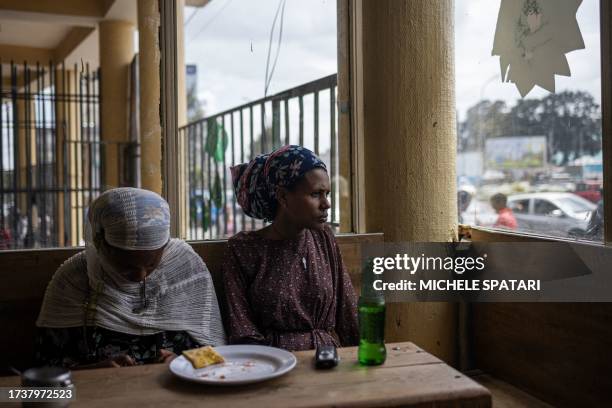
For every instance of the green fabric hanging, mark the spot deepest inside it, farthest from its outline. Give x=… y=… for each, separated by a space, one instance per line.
x=217 y=141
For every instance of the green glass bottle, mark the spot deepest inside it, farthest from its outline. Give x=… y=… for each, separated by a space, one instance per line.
x=372 y=349
x=371 y=310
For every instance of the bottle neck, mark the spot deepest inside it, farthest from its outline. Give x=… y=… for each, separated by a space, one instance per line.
x=372 y=299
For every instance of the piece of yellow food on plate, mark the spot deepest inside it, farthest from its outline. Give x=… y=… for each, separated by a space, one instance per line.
x=203 y=357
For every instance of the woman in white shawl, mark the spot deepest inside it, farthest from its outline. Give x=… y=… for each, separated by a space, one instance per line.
x=133 y=296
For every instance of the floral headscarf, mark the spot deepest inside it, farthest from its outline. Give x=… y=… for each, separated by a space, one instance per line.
x=255 y=182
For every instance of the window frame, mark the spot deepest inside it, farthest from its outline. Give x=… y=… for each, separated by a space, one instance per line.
x=606 y=113
x=169 y=113
x=349 y=149
x=490 y=234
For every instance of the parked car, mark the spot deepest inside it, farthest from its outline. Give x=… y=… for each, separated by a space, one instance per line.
x=591 y=190
x=559 y=214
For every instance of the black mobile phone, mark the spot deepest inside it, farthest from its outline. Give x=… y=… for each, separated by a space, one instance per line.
x=326 y=357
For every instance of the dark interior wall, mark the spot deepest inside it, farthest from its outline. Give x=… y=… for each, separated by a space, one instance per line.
x=559 y=352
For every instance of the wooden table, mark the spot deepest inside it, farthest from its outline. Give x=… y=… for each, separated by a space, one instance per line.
x=410 y=377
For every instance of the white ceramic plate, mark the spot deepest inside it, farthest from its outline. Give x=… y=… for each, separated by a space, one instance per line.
x=244 y=364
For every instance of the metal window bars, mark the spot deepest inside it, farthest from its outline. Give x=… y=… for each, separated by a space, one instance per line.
x=51 y=156
x=217 y=142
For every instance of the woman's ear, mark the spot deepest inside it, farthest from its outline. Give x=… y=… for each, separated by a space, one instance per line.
x=281 y=196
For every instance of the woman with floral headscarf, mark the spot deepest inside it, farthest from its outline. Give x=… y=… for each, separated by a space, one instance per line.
x=286 y=284
x=133 y=296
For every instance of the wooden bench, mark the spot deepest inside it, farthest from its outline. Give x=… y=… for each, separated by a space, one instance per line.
x=25 y=275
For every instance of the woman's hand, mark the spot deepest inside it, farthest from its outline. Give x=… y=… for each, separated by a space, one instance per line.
x=120 y=360
x=166 y=356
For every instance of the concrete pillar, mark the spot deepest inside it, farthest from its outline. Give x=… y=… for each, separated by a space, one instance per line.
x=63 y=82
x=69 y=165
x=74 y=163
x=24 y=161
x=26 y=147
x=116 y=54
x=150 y=125
x=409 y=136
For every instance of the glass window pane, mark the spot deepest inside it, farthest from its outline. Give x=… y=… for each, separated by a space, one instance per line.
x=519 y=206
x=250 y=60
x=543 y=207
x=544 y=146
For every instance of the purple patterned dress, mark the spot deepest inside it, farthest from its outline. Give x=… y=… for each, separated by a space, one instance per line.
x=294 y=294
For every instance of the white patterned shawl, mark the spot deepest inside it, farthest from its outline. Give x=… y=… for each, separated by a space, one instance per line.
x=178 y=295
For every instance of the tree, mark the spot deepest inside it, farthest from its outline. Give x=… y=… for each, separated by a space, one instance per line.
x=571 y=122
x=483 y=120
x=195 y=108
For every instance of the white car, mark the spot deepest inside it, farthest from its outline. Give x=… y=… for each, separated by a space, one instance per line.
x=559 y=214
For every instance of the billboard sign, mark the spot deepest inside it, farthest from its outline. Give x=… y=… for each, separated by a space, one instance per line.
x=515 y=152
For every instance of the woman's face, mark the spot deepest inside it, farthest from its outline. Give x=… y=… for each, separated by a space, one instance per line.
x=133 y=265
x=307 y=204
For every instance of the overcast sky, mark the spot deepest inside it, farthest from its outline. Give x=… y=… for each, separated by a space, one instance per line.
x=478 y=73
x=228 y=40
